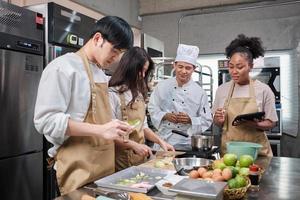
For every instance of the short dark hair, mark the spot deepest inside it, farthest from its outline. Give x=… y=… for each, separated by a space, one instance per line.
x=128 y=73
x=115 y=30
x=250 y=46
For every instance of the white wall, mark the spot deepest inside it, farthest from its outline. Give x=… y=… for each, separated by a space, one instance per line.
x=277 y=26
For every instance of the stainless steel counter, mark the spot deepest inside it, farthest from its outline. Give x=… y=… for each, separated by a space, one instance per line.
x=281 y=180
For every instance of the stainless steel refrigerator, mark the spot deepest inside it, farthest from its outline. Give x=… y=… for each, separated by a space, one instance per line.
x=21 y=65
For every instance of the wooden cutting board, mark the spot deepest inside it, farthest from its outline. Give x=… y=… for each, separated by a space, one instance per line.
x=163 y=156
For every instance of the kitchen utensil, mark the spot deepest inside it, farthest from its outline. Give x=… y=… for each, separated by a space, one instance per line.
x=150 y=175
x=200 y=188
x=202 y=141
x=171 y=179
x=110 y=194
x=180 y=133
x=184 y=165
x=243 y=148
x=152 y=155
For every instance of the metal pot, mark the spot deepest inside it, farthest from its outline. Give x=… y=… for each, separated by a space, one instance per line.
x=202 y=142
x=199 y=141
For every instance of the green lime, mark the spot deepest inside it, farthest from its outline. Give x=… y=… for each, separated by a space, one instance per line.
x=232 y=183
x=230 y=159
x=234 y=171
x=244 y=171
x=246 y=160
x=240 y=181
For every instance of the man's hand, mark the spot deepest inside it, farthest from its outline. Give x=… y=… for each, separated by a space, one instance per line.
x=183 y=118
x=171 y=117
x=115 y=129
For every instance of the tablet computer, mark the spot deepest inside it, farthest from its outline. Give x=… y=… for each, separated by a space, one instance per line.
x=249 y=116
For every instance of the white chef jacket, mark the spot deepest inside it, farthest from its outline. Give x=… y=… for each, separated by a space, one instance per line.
x=63 y=93
x=168 y=97
x=115 y=103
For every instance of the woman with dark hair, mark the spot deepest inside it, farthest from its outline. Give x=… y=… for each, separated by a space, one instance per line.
x=243 y=95
x=128 y=92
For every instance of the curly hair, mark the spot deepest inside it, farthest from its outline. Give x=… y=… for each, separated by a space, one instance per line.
x=249 y=46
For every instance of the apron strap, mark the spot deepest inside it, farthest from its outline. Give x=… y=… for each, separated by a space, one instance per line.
x=227 y=101
x=123 y=107
x=251 y=89
x=83 y=56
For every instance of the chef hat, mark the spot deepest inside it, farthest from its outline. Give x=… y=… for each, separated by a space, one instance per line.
x=187 y=53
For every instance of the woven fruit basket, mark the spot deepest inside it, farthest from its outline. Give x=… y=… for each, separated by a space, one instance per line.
x=236 y=193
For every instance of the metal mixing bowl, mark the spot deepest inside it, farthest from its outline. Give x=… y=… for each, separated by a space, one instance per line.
x=184 y=165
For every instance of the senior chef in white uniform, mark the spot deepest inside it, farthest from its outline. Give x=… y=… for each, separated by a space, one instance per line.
x=179 y=103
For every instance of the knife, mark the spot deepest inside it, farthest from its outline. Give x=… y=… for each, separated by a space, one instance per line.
x=180 y=133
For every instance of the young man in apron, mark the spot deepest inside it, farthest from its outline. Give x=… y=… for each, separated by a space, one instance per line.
x=73 y=110
x=243 y=95
x=128 y=93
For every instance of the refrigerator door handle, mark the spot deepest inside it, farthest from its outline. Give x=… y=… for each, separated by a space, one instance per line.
x=2 y=74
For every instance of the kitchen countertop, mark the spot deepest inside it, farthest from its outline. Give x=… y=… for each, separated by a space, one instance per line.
x=281 y=180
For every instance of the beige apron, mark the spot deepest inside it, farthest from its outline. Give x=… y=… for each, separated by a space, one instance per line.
x=126 y=157
x=243 y=105
x=81 y=160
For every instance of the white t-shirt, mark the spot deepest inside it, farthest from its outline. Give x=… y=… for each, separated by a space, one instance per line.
x=265 y=98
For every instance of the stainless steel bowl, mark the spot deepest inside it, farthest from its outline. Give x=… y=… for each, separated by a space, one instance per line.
x=184 y=165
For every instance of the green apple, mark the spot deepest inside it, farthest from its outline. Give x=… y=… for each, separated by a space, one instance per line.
x=230 y=159
x=246 y=160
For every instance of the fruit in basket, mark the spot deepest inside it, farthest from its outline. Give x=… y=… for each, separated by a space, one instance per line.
x=244 y=171
x=240 y=181
x=230 y=159
x=246 y=160
x=232 y=183
x=234 y=170
x=218 y=164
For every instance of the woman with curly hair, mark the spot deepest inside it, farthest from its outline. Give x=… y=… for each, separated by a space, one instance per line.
x=243 y=95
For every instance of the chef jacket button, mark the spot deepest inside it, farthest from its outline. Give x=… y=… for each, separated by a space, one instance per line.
x=175 y=87
x=178 y=126
x=184 y=90
x=182 y=102
x=173 y=99
x=169 y=124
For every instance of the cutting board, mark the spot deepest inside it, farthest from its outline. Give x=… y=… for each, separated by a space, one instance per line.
x=165 y=157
